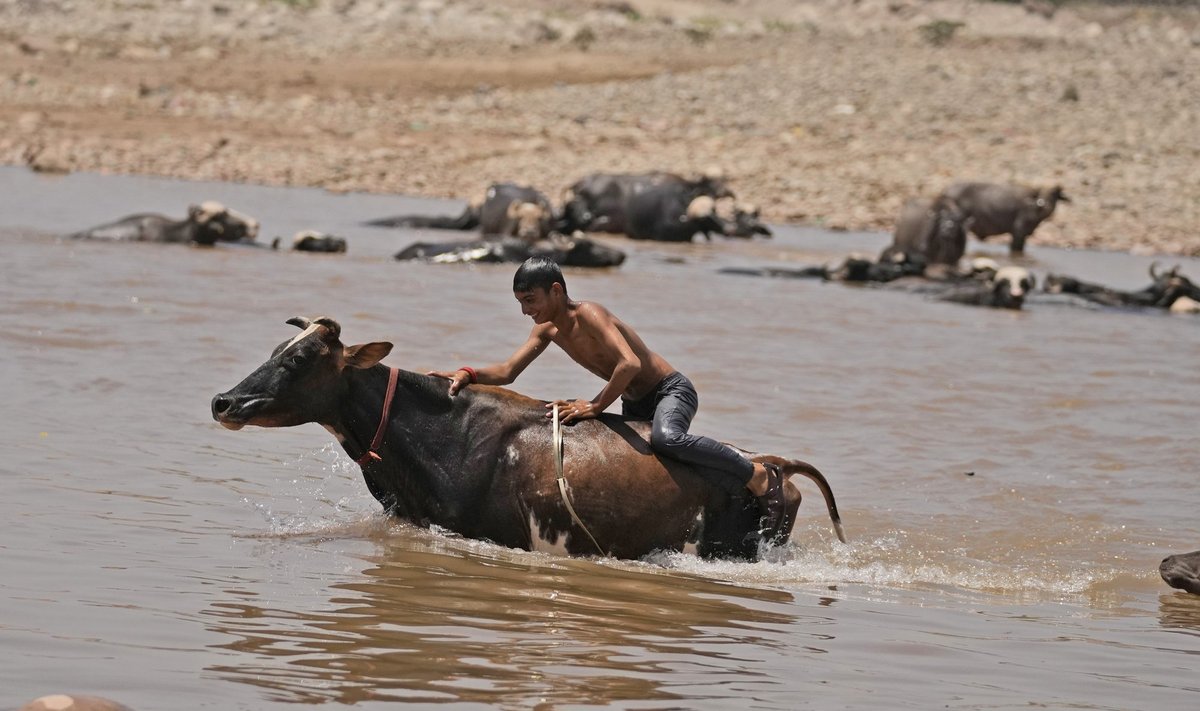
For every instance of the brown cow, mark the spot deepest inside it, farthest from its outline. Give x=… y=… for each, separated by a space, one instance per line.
x=482 y=464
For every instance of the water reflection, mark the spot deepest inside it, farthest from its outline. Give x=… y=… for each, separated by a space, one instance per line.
x=436 y=625
x=1179 y=611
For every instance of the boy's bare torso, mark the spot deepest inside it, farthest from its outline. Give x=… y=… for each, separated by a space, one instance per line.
x=583 y=339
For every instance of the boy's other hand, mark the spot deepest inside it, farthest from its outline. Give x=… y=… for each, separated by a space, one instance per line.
x=570 y=410
x=457 y=378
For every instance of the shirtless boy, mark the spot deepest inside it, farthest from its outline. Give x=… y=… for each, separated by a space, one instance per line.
x=649 y=388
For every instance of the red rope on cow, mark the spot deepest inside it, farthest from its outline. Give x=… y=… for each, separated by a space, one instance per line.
x=371 y=456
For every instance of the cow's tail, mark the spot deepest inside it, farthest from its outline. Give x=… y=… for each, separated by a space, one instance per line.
x=468 y=220
x=795 y=466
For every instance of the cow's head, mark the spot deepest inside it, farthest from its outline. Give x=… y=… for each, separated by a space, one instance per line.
x=301 y=380
x=746 y=222
x=217 y=223
x=529 y=221
x=311 y=241
x=1009 y=287
x=1169 y=286
x=1182 y=571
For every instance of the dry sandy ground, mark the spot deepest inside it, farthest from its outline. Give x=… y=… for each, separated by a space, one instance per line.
x=828 y=112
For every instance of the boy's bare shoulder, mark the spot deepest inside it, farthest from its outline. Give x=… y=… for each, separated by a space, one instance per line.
x=592 y=310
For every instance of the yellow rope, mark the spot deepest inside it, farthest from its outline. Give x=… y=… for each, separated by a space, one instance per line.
x=562 y=479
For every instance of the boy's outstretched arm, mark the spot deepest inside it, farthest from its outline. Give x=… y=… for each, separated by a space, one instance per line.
x=500 y=373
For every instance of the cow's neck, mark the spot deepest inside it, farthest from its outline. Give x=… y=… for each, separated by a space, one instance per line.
x=418 y=441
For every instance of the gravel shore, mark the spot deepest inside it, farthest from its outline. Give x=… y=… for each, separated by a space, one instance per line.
x=820 y=111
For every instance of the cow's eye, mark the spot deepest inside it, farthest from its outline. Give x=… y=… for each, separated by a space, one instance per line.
x=297 y=360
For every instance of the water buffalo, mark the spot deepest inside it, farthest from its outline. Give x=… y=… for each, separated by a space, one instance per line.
x=600 y=202
x=506 y=210
x=1165 y=291
x=667 y=213
x=994 y=209
x=853 y=269
x=1182 y=571
x=934 y=229
x=1006 y=288
x=312 y=241
x=745 y=222
x=574 y=251
x=206 y=224
x=482 y=463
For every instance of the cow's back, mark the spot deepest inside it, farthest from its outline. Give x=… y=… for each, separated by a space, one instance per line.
x=991 y=208
x=623 y=493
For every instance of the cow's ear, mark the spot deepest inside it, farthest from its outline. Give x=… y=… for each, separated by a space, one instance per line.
x=367 y=354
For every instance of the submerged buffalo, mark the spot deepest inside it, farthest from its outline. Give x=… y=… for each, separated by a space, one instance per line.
x=313 y=241
x=574 y=251
x=935 y=230
x=1168 y=290
x=600 y=202
x=994 y=209
x=982 y=284
x=506 y=210
x=746 y=222
x=482 y=463
x=666 y=214
x=206 y=224
x=1006 y=288
x=1182 y=571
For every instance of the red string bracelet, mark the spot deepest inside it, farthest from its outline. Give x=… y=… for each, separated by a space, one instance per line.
x=471 y=372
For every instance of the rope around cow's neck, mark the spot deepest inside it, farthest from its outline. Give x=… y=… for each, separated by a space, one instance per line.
x=371 y=455
x=562 y=479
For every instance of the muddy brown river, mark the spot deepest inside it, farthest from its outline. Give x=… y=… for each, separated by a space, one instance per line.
x=1008 y=481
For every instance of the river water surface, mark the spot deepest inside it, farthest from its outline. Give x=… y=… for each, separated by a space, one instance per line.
x=1008 y=481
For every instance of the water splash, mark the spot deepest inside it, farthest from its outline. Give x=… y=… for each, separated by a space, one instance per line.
x=314 y=497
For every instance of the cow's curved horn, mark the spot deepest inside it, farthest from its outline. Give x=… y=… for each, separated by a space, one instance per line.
x=299 y=322
x=1154 y=270
x=334 y=327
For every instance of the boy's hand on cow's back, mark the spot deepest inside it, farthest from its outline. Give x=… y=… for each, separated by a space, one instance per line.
x=570 y=410
x=457 y=378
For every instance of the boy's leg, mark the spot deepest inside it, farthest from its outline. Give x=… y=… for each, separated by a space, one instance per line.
x=673 y=415
x=669 y=436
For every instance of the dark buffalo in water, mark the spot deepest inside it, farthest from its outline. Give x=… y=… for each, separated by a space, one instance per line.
x=935 y=230
x=600 y=202
x=1182 y=571
x=574 y=251
x=312 y=241
x=994 y=209
x=852 y=269
x=482 y=463
x=746 y=222
x=1006 y=288
x=506 y=210
x=668 y=213
x=206 y=224
x=1168 y=290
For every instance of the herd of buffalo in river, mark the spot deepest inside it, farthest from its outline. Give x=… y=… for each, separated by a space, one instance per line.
x=514 y=222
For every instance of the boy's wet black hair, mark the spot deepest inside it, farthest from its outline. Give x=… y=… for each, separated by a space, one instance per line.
x=538 y=272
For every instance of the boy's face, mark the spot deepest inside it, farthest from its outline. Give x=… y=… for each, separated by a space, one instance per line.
x=539 y=304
